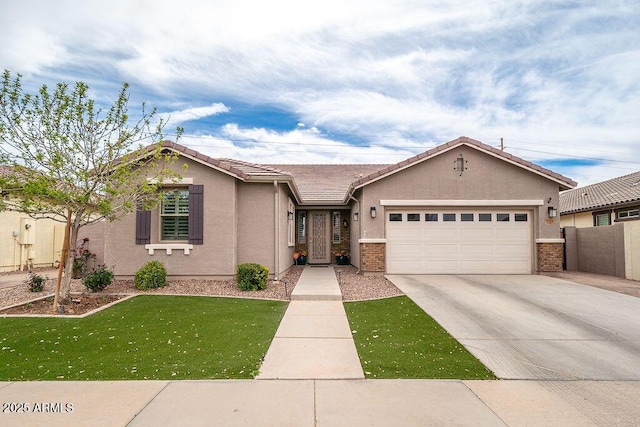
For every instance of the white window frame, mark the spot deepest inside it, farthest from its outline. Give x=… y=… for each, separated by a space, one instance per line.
x=291 y=224
x=628 y=214
x=164 y=215
x=302 y=227
x=335 y=232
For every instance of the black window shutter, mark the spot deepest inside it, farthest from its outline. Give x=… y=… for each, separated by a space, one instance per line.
x=143 y=227
x=196 y=214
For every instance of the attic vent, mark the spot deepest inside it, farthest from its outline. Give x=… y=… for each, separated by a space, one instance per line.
x=584 y=195
x=461 y=165
x=635 y=183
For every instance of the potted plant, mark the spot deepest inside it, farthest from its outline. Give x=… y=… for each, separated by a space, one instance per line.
x=300 y=258
x=342 y=257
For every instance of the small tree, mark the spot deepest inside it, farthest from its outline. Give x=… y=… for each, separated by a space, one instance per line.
x=67 y=159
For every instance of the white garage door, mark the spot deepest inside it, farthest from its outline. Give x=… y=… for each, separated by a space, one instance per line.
x=454 y=241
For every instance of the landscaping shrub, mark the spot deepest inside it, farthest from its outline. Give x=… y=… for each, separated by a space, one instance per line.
x=152 y=275
x=98 y=279
x=35 y=282
x=251 y=276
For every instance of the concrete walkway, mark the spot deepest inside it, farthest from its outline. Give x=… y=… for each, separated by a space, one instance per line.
x=313 y=340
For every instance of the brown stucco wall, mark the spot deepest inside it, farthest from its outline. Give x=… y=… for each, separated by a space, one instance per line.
x=486 y=178
x=599 y=250
x=216 y=257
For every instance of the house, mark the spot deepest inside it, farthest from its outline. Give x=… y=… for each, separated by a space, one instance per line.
x=601 y=227
x=27 y=242
x=461 y=207
x=604 y=203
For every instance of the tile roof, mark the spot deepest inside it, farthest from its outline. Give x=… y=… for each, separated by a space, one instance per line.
x=332 y=184
x=327 y=183
x=617 y=191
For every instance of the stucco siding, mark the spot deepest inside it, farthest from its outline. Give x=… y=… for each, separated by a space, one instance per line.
x=632 y=249
x=485 y=178
x=47 y=234
x=578 y=220
x=255 y=223
x=214 y=257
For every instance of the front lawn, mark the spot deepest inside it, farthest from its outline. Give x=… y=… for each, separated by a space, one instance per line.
x=146 y=337
x=396 y=339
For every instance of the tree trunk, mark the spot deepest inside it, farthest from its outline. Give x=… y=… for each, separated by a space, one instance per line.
x=65 y=290
x=63 y=261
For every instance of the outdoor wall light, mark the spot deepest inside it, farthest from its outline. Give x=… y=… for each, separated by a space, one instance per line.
x=355 y=216
x=345 y=223
x=553 y=212
x=373 y=211
x=290 y=215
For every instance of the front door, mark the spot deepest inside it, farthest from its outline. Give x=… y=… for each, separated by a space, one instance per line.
x=320 y=238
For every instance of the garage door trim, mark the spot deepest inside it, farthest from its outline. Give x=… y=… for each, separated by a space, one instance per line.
x=462 y=203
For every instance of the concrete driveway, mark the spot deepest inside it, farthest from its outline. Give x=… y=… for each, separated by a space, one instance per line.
x=535 y=327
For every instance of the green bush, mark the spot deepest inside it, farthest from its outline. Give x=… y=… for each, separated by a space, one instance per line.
x=251 y=276
x=152 y=275
x=35 y=282
x=98 y=279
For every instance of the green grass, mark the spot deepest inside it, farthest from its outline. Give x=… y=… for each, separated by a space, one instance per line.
x=146 y=337
x=396 y=339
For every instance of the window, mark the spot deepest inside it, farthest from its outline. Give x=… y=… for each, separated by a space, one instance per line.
x=521 y=217
x=181 y=217
x=431 y=217
x=302 y=227
x=413 y=217
x=502 y=217
x=484 y=217
x=466 y=217
x=336 y=228
x=602 y=219
x=449 y=217
x=629 y=213
x=174 y=214
x=291 y=224
x=395 y=217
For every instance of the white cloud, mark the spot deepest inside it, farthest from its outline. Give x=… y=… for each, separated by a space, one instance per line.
x=404 y=74
x=181 y=116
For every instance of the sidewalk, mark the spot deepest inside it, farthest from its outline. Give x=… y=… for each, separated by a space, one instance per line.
x=313 y=340
x=321 y=403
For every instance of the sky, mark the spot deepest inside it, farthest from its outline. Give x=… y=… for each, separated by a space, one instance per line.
x=372 y=81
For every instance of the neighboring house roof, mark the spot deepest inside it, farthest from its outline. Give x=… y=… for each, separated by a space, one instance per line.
x=333 y=184
x=565 y=183
x=619 y=191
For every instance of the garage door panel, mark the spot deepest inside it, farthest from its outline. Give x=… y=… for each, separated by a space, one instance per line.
x=461 y=247
x=475 y=266
x=411 y=233
x=405 y=248
x=507 y=249
x=512 y=233
x=441 y=266
x=439 y=249
x=441 y=233
x=477 y=249
x=476 y=234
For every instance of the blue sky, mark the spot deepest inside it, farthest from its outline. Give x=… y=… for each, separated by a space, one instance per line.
x=355 y=81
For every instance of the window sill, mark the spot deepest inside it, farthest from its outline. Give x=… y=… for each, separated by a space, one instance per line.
x=169 y=247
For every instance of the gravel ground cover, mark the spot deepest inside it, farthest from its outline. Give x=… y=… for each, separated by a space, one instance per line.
x=354 y=286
